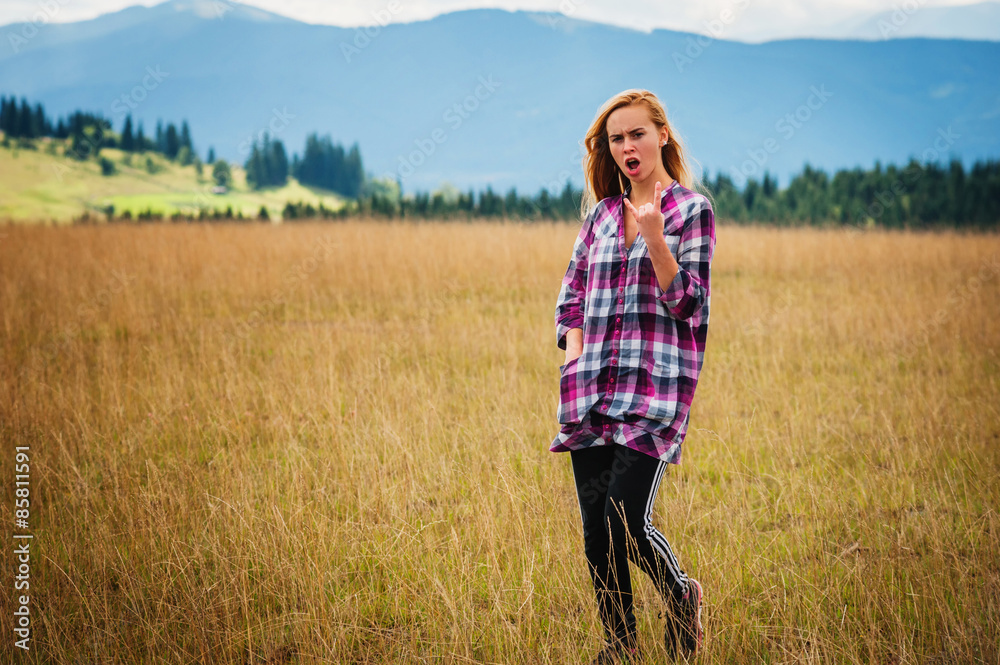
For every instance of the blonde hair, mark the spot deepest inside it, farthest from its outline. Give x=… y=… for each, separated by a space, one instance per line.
x=602 y=177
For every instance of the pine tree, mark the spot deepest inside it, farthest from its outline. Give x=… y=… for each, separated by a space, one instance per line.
x=8 y=116
x=140 y=139
x=186 y=136
x=325 y=165
x=279 y=164
x=253 y=168
x=128 y=140
x=25 y=120
x=38 y=122
x=267 y=165
x=171 y=142
x=354 y=172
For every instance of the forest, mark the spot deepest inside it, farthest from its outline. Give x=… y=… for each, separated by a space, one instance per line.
x=915 y=195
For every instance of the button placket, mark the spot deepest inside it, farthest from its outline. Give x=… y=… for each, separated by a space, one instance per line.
x=622 y=275
x=620 y=311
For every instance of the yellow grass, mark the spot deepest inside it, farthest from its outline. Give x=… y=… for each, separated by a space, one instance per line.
x=329 y=443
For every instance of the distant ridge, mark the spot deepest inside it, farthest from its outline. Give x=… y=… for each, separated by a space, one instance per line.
x=490 y=96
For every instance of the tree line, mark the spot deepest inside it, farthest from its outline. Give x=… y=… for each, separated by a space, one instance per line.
x=90 y=132
x=919 y=195
x=449 y=203
x=323 y=164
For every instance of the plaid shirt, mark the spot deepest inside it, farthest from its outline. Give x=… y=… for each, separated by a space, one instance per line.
x=643 y=347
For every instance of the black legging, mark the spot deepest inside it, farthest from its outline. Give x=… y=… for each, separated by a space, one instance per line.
x=616 y=487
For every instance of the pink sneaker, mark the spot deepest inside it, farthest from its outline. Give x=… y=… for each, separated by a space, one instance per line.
x=691 y=633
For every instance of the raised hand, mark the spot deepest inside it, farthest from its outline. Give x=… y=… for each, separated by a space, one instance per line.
x=648 y=217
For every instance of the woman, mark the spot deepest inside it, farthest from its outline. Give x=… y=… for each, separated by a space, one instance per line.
x=632 y=316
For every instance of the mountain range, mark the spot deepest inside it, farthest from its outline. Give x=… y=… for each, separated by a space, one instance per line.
x=493 y=97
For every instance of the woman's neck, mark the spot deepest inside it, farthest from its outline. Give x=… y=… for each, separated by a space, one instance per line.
x=643 y=192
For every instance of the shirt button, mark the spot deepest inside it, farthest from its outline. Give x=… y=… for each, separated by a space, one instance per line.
x=615 y=351
x=612 y=379
x=614 y=362
x=620 y=301
x=620 y=289
x=619 y=319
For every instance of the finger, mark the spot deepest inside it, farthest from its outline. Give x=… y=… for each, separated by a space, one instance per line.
x=657 y=190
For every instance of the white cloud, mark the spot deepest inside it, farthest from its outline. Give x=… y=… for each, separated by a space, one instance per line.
x=752 y=20
x=61 y=11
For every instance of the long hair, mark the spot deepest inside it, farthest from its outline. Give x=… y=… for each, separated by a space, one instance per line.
x=602 y=177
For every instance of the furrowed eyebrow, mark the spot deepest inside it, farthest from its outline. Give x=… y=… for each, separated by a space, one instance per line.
x=631 y=131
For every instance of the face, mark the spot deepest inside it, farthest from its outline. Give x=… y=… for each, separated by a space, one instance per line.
x=635 y=142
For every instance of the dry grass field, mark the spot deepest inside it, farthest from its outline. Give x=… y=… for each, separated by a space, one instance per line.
x=328 y=443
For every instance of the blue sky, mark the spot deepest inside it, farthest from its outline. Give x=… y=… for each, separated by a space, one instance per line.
x=748 y=20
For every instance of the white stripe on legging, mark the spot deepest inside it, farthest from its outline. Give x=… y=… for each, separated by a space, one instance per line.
x=656 y=539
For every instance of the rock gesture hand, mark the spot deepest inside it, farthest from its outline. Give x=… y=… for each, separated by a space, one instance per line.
x=648 y=218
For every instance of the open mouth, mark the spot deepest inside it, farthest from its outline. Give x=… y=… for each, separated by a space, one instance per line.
x=632 y=164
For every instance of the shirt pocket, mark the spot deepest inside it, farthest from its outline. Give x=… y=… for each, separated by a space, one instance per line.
x=665 y=369
x=570 y=392
x=664 y=378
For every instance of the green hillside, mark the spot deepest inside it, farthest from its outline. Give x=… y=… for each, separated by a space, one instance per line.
x=41 y=183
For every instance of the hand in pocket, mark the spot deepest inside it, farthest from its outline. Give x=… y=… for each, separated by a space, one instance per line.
x=570 y=391
x=569 y=359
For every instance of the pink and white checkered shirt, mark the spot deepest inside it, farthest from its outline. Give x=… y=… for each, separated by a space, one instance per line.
x=643 y=347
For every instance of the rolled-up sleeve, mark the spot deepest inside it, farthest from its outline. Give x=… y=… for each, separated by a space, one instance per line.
x=572 y=294
x=690 y=287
